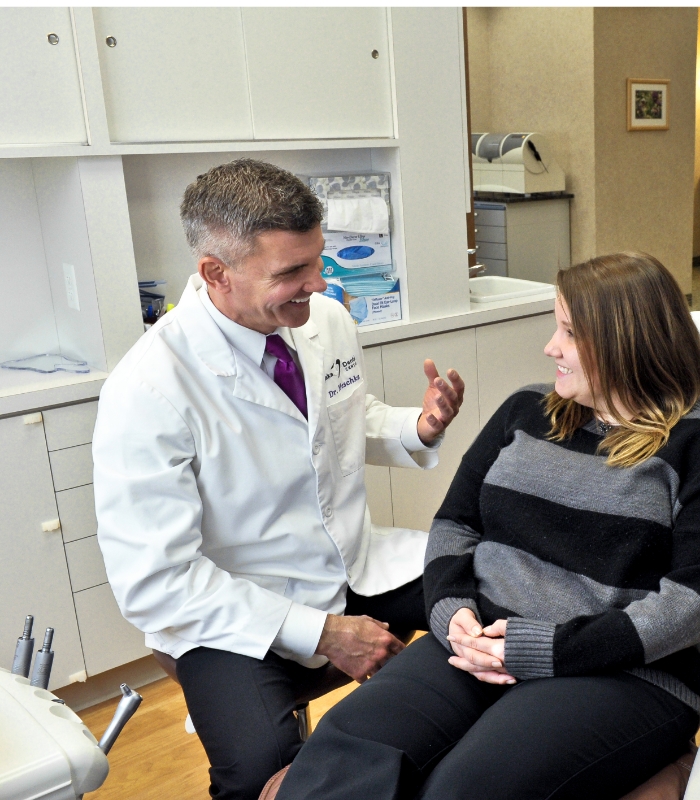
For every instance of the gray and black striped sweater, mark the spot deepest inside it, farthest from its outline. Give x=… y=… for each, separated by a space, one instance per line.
x=596 y=568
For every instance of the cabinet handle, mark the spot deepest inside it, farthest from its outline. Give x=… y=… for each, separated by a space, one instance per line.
x=111 y=41
x=375 y=53
x=53 y=39
x=32 y=419
x=51 y=525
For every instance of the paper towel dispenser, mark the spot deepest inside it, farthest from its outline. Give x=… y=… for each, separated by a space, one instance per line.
x=515 y=163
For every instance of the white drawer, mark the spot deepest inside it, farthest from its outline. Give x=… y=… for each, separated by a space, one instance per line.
x=70 y=425
x=85 y=564
x=71 y=467
x=108 y=639
x=76 y=510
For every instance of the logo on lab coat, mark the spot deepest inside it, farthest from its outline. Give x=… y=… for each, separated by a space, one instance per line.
x=339 y=372
x=347 y=366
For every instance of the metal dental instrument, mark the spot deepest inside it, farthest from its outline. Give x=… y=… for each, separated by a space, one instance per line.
x=24 y=650
x=130 y=701
x=43 y=662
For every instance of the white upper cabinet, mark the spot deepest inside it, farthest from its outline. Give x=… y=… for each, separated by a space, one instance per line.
x=40 y=94
x=173 y=74
x=319 y=73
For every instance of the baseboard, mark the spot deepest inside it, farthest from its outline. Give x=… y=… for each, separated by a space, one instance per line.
x=105 y=685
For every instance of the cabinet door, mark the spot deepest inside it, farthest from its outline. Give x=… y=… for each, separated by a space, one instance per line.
x=173 y=74
x=511 y=355
x=312 y=73
x=33 y=571
x=417 y=494
x=40 y=93
x=108 y=639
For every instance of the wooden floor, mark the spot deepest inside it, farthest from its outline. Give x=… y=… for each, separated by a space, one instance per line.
x=154 y=757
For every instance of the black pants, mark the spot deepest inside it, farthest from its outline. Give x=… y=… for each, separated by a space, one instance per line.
x=242 y=708
x=422 y=728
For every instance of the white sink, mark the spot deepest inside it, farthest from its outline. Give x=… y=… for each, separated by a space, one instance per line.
x=490 y=288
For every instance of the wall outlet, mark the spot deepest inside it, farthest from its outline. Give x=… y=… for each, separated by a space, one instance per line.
x=71 y=286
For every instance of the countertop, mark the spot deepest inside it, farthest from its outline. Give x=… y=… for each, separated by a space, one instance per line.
x=507 y=197
x=32 y=392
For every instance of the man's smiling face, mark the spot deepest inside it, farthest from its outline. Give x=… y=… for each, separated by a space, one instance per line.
x=272 y=286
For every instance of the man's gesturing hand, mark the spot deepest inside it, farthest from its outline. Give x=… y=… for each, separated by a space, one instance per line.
x=358 y=646
x=441 y=402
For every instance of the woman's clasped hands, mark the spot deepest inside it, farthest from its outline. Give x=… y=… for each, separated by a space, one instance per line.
x=480 y=651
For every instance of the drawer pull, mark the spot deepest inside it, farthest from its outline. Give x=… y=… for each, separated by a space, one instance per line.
x=32 y=419
x=51 y=525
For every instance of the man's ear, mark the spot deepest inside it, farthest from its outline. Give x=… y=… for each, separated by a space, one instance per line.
x=215 y=274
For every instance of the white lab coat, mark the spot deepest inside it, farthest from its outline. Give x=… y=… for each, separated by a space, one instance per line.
x=220 y=510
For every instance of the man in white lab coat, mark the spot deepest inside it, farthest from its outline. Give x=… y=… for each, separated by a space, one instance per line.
x=229 y=459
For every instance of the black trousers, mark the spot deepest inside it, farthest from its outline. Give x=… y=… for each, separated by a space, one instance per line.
x=422 y=728
x=242 y=708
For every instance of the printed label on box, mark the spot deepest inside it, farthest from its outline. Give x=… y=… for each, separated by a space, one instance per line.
x=375 y=309
x=353 y=251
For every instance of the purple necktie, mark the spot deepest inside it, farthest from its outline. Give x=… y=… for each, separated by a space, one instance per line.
x=287 y=374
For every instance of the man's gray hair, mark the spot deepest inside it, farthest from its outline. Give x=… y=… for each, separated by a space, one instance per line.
x=225 y=209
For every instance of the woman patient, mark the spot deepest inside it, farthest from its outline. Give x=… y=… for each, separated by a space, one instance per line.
x=562 y=579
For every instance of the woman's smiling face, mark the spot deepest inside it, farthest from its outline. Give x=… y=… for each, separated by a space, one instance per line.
x=571 y=382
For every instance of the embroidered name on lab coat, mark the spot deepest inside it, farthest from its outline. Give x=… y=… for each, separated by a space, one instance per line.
x=340 y=371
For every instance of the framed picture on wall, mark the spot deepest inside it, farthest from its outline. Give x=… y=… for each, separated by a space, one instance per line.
x=647 y=105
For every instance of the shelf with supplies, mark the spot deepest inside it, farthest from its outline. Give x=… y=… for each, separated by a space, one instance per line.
x=154 y=184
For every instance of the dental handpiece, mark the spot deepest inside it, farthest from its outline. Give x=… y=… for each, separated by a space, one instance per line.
x=24 y=650
x=130 y=701
x=43 y=662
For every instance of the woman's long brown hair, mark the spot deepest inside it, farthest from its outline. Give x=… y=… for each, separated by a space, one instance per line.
x=637 y=342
